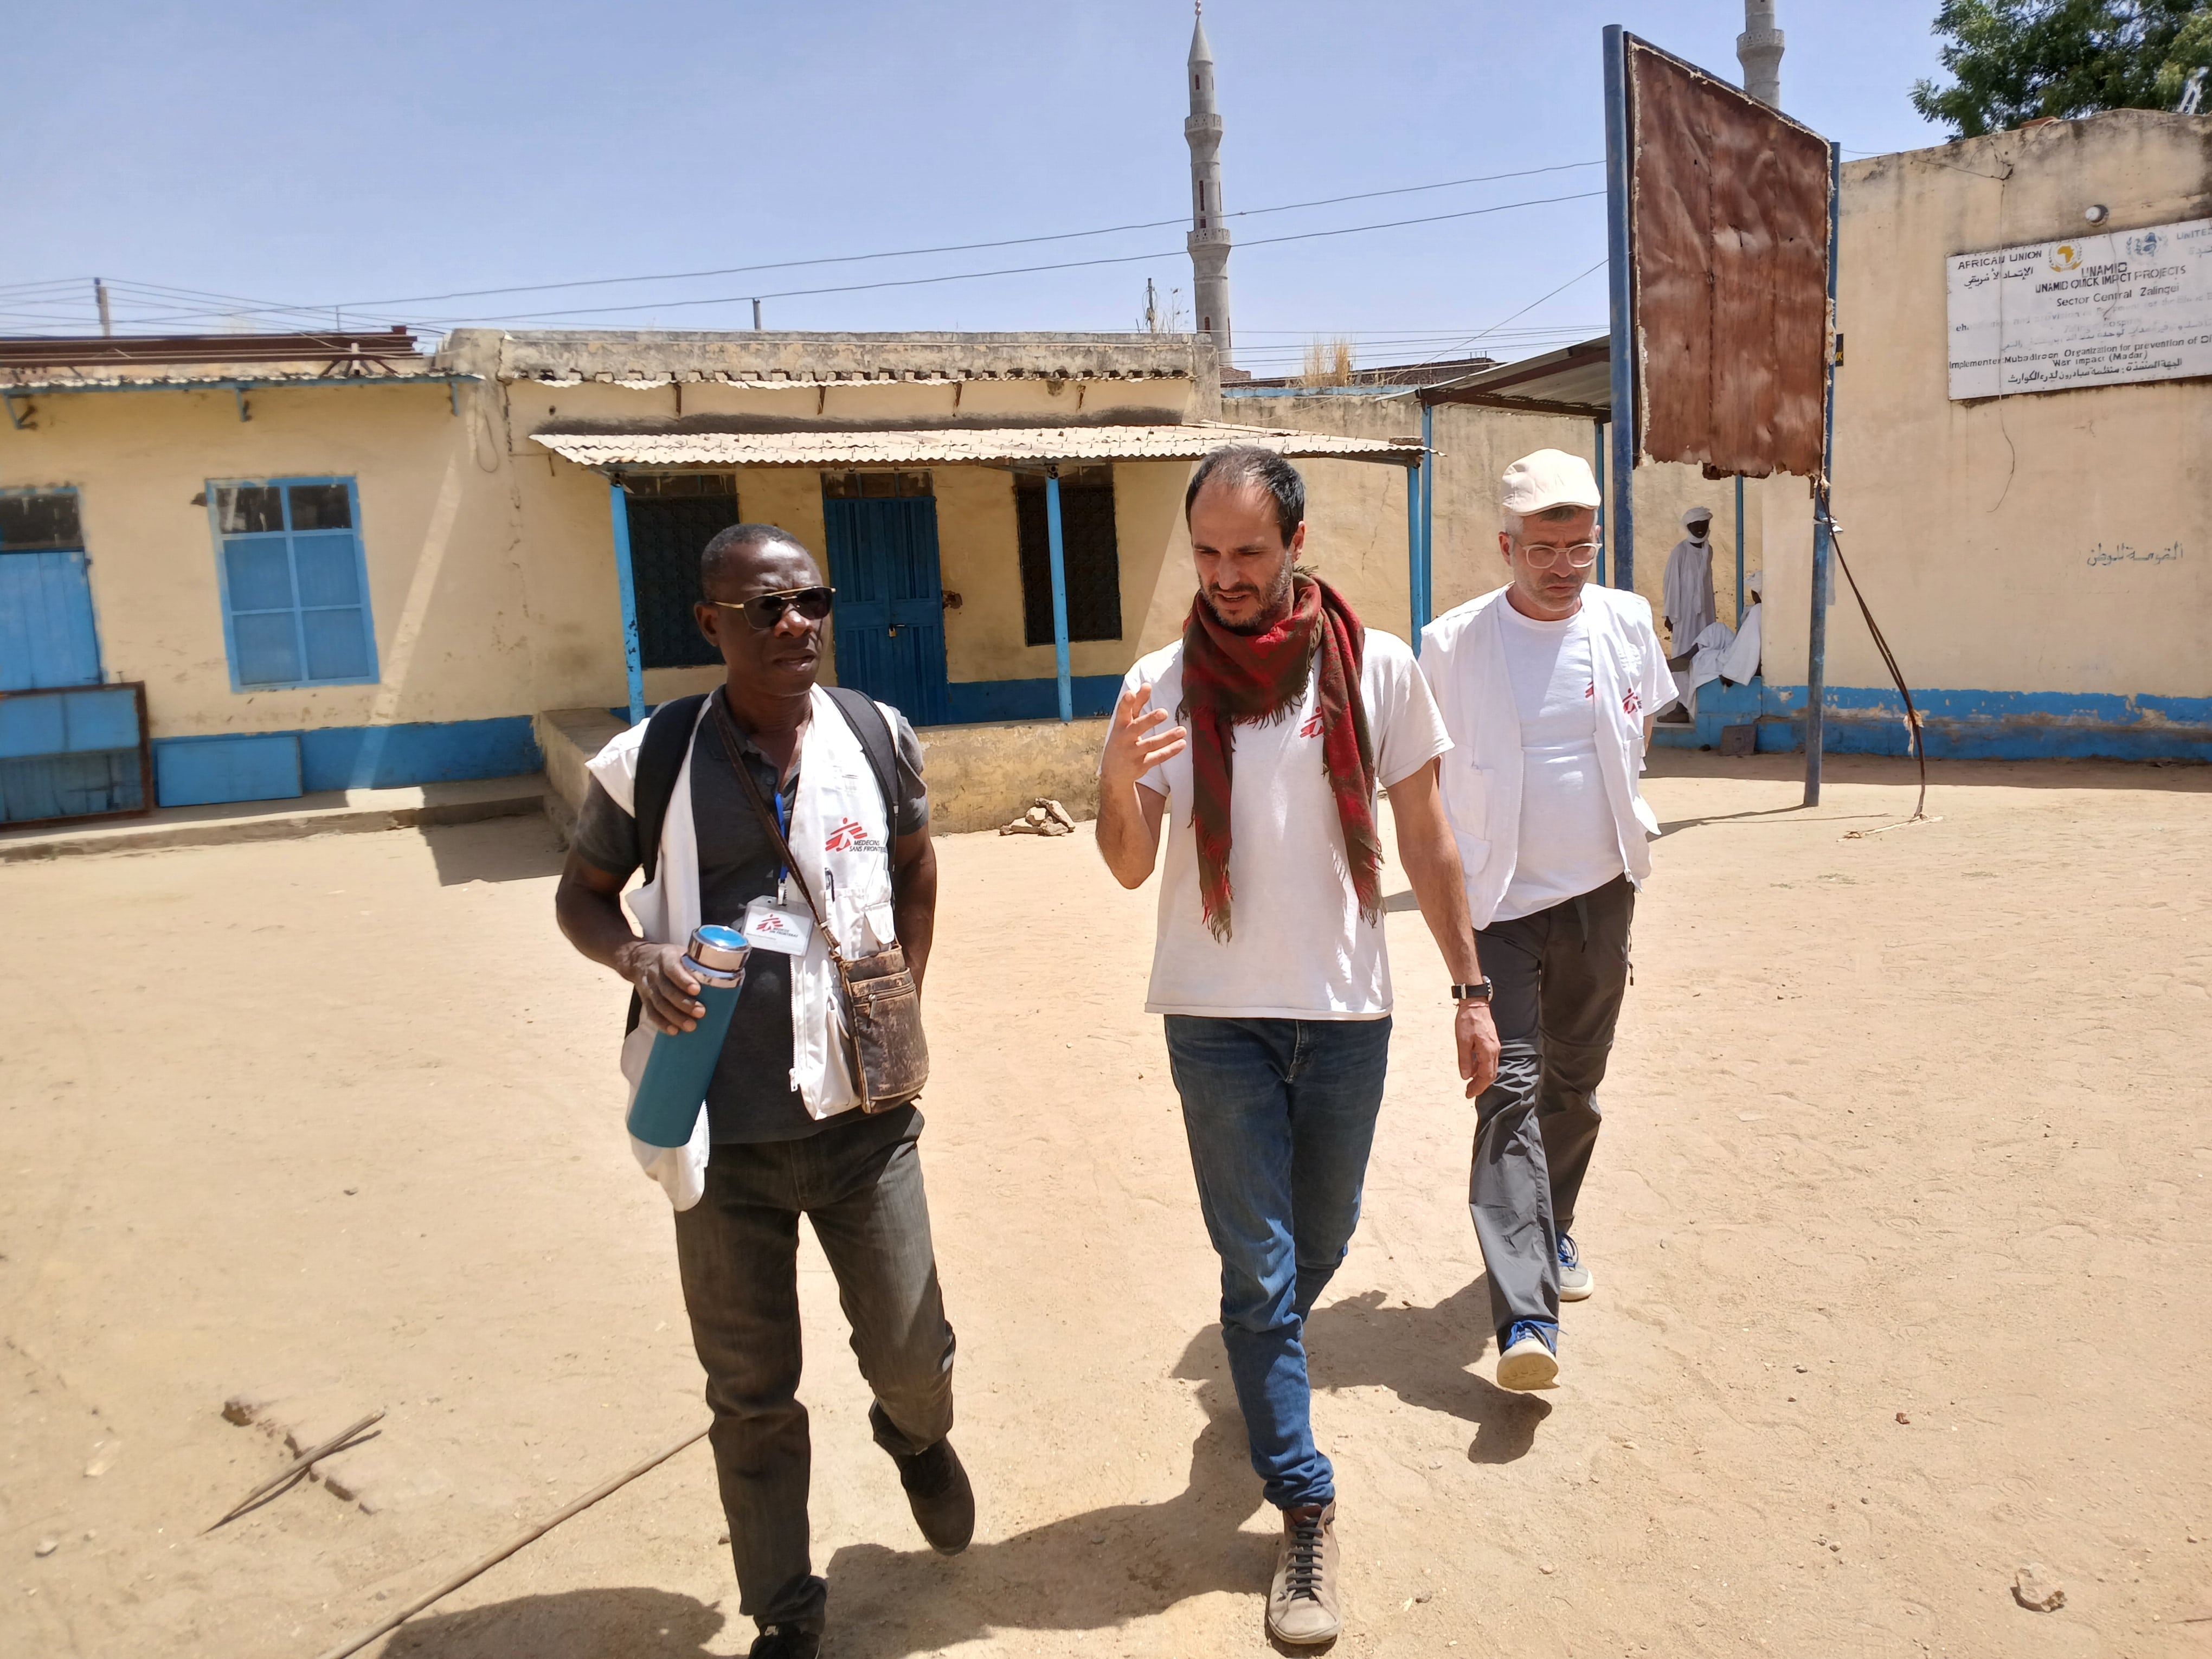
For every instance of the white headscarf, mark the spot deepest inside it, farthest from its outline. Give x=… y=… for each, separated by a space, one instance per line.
x=1696 y=515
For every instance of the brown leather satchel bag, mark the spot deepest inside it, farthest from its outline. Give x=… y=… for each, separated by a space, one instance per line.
x=882 y=1004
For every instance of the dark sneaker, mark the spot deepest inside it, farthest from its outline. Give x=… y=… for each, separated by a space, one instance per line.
x=787 y=1642
x=1528 y=1355
x=1575 y=1280
x=943 y=1502
x=1302 y=1610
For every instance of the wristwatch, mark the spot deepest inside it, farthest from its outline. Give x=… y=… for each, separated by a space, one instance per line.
x=1478 y=992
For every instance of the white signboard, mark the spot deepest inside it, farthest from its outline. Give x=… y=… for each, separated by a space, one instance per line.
x=2132 y=305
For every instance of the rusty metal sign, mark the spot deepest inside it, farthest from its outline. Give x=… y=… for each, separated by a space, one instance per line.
x=1728 y=245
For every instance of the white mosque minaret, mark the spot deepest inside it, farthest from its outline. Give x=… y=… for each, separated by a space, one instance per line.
x=1209 y=232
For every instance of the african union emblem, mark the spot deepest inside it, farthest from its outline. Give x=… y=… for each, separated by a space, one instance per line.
x=2066 y=256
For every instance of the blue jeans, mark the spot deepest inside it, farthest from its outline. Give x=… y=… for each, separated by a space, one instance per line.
x=1281 y=1113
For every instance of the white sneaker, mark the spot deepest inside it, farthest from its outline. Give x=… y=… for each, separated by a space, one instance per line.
x=1526 y=1360
x=1575 y=1281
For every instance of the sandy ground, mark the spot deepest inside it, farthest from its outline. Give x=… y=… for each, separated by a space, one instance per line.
x=1909 y=1127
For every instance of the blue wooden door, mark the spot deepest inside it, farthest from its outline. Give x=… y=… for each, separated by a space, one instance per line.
x=46 y=632
x=891 y=604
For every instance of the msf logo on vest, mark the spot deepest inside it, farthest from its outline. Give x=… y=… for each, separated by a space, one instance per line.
x=849 y=837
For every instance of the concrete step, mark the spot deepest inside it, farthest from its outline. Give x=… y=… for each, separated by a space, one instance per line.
x=337 y=811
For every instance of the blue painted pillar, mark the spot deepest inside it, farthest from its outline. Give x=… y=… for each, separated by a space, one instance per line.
x=618 y=510
x=1739 y=549
x=1057 y=552
x=1600 y=428
x=1414 y=550
x=1620 y=530
x=1424 y=587
x=1816 y=638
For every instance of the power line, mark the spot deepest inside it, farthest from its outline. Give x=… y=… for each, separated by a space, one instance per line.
x=961 y=247
x=1525 y=310
x=1024 y=270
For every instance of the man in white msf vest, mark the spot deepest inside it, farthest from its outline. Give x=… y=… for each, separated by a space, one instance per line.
x=1547 y=687
x=781 y=1133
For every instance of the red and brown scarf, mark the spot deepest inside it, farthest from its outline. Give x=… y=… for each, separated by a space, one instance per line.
x=1234 y=679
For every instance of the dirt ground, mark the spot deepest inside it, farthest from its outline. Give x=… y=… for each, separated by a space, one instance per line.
x=1899 y=1226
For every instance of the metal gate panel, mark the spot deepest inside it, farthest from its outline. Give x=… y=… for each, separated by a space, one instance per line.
x=47 y=633
x=890 y=603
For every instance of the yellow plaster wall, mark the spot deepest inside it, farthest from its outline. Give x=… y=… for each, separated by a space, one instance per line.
x=453 y=635
x=1974 y=528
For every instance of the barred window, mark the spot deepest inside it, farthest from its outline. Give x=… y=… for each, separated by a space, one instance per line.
x=1093 y=562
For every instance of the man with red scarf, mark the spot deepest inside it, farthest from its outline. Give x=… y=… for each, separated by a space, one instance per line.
x=1267 y=730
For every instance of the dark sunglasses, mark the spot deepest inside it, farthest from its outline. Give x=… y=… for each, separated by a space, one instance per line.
x=765 y=610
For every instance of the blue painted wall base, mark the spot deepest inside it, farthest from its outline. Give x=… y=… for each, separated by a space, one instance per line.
x=1957 y=724
x=973 y=702
x=259 y=766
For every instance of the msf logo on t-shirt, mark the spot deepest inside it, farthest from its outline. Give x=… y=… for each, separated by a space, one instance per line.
x=850 y=837
x=1312 y=728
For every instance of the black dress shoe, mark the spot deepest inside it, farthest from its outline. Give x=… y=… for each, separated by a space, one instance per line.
x=787 y=1642
x=943 y=1503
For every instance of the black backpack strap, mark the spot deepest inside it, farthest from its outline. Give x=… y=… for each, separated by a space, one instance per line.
x=659 y=758
x=866 y=719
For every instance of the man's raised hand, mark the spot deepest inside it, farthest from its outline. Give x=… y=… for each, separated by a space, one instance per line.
x=1137 y=740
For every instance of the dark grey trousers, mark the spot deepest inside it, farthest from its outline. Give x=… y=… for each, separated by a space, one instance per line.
x=859 y=1182
x=1557 y=981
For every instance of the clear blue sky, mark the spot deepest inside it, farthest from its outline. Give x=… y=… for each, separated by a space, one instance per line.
x=363 y=155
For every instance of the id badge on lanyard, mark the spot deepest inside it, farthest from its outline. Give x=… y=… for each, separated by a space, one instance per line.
x=776 y=923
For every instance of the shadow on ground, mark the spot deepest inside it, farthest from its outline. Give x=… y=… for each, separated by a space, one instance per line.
x=1421 y=1355
x=586 y=1624
x=519 y=849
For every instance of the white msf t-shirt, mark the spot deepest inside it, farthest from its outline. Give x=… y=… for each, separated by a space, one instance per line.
x=1298 y=949
x=1569 y=842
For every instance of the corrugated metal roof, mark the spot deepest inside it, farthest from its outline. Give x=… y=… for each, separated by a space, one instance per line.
x=24 y=382
x=956 y=447
x=1576 y=379
x=655 y=357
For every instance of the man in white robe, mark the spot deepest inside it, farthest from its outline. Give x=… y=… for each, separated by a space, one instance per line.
x=1687 y=601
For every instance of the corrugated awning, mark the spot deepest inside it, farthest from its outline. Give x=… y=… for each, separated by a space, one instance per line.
x=1576 y=379
x=986 y=447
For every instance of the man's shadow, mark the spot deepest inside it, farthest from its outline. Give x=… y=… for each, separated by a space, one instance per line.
x=626 y=1623
x=1096 y=1571
x=1421 y=1355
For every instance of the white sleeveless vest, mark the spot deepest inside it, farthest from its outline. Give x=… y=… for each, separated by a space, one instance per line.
x=840 y=838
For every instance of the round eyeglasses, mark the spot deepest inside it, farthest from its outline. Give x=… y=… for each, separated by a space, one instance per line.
x=1546 y=556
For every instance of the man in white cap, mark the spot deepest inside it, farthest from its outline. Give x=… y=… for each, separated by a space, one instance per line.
x=1547 y=687
x=1687 y=601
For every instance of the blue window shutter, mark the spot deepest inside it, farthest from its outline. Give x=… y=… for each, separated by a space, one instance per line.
x=295 y=582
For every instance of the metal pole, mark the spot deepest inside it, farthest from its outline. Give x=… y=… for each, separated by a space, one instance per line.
x=100 y=297
x=1424 y=591
x=618 y=510
x=1816 y=637
x=1057 y=552
x=756 y=316
x=1621 y=533
x=1739 y=549
x=1599 y=428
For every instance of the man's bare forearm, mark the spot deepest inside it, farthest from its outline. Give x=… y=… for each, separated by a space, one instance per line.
x=1441 y=892
x=594 y=923
x=1127 y=841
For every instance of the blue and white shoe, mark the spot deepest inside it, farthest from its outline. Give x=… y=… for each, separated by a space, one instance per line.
x=1529 y=1356
x=1575 y=1281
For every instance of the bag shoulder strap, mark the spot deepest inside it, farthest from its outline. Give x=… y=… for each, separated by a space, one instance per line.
x=874 y=732
x=659 y=758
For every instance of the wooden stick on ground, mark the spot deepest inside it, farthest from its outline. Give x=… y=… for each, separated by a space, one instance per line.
x=301 y=1465
x=355 y=1644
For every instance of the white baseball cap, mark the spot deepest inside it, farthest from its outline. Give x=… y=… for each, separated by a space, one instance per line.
x=1550 y=478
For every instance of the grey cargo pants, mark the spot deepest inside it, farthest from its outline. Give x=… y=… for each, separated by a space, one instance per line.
x=1557 y=981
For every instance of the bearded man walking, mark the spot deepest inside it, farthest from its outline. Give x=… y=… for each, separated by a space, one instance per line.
x=1265 y=731
x=1545 y=685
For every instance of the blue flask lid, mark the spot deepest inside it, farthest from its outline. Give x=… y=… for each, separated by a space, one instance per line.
x=716 y=946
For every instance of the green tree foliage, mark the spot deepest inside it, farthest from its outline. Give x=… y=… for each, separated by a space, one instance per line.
x=2013 y=60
